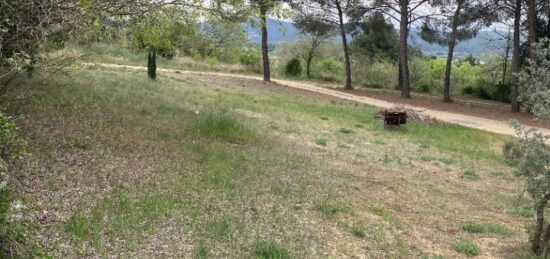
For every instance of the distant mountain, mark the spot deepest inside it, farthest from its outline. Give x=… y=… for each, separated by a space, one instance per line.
x=277 y=31
x=487 y=41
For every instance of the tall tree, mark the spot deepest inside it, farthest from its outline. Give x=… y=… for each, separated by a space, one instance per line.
x=315 y=32
x=512 y=9
x=333 y=12
x=405 y=12
x=532 y=25
x=377 y=39
x=261 y=9
x=459 y=20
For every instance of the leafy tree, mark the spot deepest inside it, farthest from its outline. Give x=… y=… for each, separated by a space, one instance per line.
x=263 y=8
x=460 y=20
x=315 y=33
x=378 y=38
x=156 y=34
x=293 y=67
x=405 y=12
x=333 y=12
x=535 y=82
x=531 y=157
x=221 y=38
x=26 y=28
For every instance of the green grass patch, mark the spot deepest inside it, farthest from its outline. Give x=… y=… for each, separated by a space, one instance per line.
x=201 y=251
x=470 y=175
x=321 y=142
x=123 y=213
x=523 y=210
x=345 y=131
x=487 y=228
x=467 y=248
x=358 y=230
x=329 y=208
x=222 y=125
x=218 y=229
x=270 y=250
x=78 y=143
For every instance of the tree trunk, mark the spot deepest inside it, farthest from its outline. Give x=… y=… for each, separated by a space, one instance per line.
x=506 y=56
x=265 y=50
x=344 y=45
x=400 y=76
x=544 y=242
x=152 y=64
x=532 y=25
x=452 y=43
x=515 y=57
x=403 y=50
x=308 y=64
x=537 y=233
x=539 y=242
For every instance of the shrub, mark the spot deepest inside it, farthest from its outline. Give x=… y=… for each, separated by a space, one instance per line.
x=249 y=58
x=467 y=247
x=13 y=224
x=484 y=93
x=468 y=90
x=533 y=167
x=293 y=67
x=330 y=70
x=512 y=152
x=502 y=93
x=423 y=88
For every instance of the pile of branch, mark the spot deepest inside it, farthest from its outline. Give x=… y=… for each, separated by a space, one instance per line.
x=412 y=114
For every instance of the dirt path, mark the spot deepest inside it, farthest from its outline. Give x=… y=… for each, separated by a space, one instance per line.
x=491 y=125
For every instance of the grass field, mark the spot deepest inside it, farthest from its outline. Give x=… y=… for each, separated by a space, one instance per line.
x=194 y=166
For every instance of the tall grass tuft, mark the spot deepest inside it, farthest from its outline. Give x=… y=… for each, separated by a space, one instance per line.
x=270 y=250
x=222 y=125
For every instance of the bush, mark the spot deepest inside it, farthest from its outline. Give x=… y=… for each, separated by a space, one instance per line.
x=423 y=88
x=13 y=223
x=502 y=93
x=249 y=58
x=293 y=67
x=512 y=152
x=484 y=94
x=531 y=156
x=467 y=247
x=468 y=90
x=374 y=73
x=330 y=70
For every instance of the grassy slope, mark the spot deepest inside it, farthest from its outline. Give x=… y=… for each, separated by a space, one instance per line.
x=204 y=167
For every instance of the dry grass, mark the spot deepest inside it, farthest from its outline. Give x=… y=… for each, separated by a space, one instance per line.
x=127 y=169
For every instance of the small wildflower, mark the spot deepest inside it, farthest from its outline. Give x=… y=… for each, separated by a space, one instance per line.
x=197 y=112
